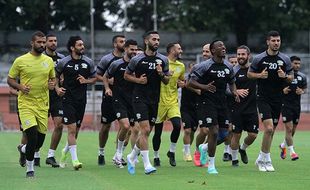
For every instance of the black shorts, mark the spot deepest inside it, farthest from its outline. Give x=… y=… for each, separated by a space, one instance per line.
x=108 y=114
x=245 y=122
x=290 y=114
x=123 y=109
x=145 y=111
x=189 y=118
x=56 y=108
x=73 y=112
x=209 y=114
x=269 y=110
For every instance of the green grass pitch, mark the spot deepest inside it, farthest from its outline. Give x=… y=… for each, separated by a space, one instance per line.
x=289 y=174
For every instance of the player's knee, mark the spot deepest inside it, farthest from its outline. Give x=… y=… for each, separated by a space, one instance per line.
x=269 y=130
x=252 y=136
x=187 y=132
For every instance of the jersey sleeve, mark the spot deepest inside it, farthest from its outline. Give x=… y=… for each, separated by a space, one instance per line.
x=254 y=65
x=132 y=65
x=52 y=69
x=14 y=70
x=60 y=66
x=165 y=66
x=112 y=69
x=197 y=71
x=102 y=66
x=92 y=69
x=304 y=82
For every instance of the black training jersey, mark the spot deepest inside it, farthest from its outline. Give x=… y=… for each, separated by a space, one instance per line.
x=104 y=64
x=272 y=86
x=53 y=95
x=121 y=87
x=144 y=64
x=292 y=99
x=220 y=73
x=188 y=98
x=248 y=103
x=71 y=69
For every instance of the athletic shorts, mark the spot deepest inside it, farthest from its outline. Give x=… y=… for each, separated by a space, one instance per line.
x=73 y=112
x=290 y=114
x=189 y=118
x=30 y=117
x=269 y=110
x=108 y=114
x=208 y=114
x=145 y=111
x=245 y=122
x=166 y=112
x=56 y=108
x=123 y=109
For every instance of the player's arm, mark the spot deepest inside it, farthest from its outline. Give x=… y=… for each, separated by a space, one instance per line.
x=233 y=90
x=90 y=80
x=254 y=75
x=13 y=91
x=106 y=85
x=14 y=84
x=132 y=78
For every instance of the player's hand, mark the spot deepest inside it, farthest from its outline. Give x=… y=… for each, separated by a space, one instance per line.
x=25 y=89
x=111 y=81
x=60 y=91
x=142 y=79
x=281 y=73
x=170 y=73
x=286 y=90
x=299 y=91
x=181 y=83
x=210 y=87
x=243 y=92
x=81 y=79
x=108 y=92
x=198 y=91
x=51 y=84
x=159 y=69
x=237 y=98
x=264 y=74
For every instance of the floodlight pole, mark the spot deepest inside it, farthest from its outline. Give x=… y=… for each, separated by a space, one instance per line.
x=155 y=14
x=92 y=44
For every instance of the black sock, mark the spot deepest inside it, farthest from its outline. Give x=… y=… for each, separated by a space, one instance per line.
x=176 y=123
x=157 y=136
x=32 y=137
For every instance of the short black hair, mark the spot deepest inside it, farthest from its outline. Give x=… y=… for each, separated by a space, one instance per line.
x=212 y=45
x=272 y=33
x=117 y=36
x=245 y=47
x=295 y=58
x=145 y=35
x=71 y=42
x=130 y=42
x=37 y=34
x=50 y=35
x=170 y=46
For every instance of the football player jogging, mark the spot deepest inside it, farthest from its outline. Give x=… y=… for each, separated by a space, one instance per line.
x=56 y=109
x=37 y=75
x=291 y=107
x=107 y=110
x=122 y=96
x=211 y=77
x=168 y=108
x=146 y=71
x=78 y=71
x=244 y=113
x=271 y=69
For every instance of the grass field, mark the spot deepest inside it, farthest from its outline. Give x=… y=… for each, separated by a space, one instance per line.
x=289 y=175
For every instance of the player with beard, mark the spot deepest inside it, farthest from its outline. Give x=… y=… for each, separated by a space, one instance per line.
x=271 y=69
x=211 y=77
x=169 y=104
x=146 y=71
x=56 y=109
x=36 y=74
x=291 y=107
x=107 y=112
x=78 y=71
x=122 y=96
x=244 y=113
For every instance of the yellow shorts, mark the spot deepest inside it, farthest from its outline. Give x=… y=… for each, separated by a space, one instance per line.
x=167 y=112
x=30 y=117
